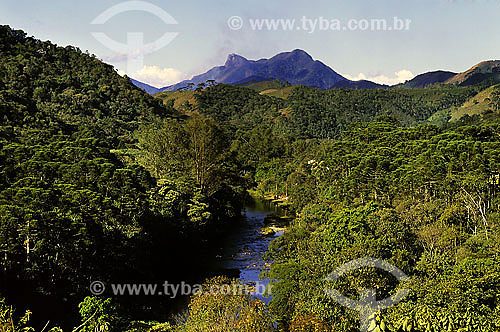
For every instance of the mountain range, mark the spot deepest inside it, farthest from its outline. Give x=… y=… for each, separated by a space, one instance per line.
x=296 y=67
x=299 y=68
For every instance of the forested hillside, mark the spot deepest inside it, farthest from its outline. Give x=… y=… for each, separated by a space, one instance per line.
x=79 y=200
x=314 y=113
x=424 y=198
x=388 y=185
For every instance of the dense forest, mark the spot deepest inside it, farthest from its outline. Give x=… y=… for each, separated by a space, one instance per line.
x=313 y=113
x=81 y=197
x=100 y=181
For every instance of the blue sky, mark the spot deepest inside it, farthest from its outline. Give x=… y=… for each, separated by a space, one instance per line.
x=444 y=34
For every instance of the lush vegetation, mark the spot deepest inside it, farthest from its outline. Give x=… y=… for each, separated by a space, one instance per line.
x=424 y=199
x=99 y=181
x=86 y=193
x=315 y=113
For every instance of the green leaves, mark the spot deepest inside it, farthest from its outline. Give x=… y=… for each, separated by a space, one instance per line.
x=434 y=216
x=97 y=315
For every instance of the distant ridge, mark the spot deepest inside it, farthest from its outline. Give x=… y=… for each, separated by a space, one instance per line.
x=483 y=72
x=146 y=87
x=356 y=85
x=299 y=68
x=296 y=67
x=426 y=79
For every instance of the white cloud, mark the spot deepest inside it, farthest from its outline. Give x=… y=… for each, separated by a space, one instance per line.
x=400 y=77
x=158 y=77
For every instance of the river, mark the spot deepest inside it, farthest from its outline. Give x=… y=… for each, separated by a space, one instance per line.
x=241 y=252
x=239 y=255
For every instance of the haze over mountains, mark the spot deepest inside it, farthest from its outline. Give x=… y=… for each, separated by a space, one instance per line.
x=299 y=68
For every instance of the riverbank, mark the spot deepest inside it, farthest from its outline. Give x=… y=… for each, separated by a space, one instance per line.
x=244 y=248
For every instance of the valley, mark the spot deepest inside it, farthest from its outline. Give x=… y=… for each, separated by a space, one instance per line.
x=276 y=170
